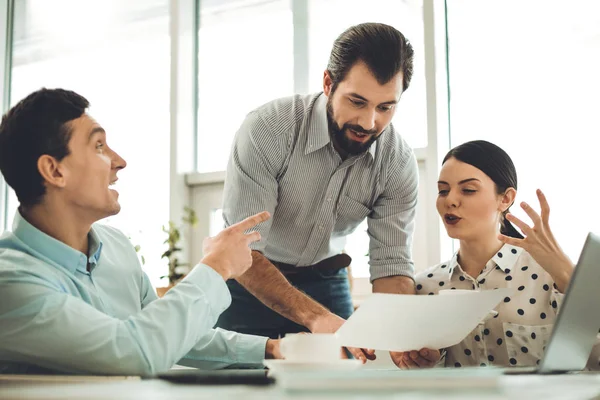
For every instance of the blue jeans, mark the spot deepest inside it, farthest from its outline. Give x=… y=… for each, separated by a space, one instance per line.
x=248 y=315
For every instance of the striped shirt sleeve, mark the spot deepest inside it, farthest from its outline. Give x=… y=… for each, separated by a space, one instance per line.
x=391 y=222
x=251 y=185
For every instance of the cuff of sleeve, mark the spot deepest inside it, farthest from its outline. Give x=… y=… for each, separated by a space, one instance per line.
x=386 y=270
x=212 y=284
x=251 y=349
x=258 y=246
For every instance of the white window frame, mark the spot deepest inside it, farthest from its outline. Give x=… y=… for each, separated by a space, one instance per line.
x=6 y=33
x=183 y=111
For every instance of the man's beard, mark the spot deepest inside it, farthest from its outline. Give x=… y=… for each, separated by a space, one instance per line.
x=343 y=142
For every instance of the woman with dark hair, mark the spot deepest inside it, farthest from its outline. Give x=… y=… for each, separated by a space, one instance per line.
x=477 y=186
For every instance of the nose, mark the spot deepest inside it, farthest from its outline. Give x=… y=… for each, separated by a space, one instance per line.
x=368 y=119
x=452 y=199
x=118 y=162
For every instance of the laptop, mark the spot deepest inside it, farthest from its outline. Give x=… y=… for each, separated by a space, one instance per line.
x=578 y=322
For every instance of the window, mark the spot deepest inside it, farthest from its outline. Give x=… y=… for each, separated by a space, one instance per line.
x=216 y=221
x=245 y=59
x=524 y=75
x=116 y=54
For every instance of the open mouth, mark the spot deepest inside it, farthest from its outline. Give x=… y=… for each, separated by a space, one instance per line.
x=361 y=137
x=451 y=219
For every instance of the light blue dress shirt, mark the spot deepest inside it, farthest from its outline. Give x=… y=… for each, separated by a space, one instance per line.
x=56 y=315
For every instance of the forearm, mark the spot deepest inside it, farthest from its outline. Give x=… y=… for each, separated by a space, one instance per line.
x=269 y=285
x=561 y=273
x=394 y=284
x=225 y=349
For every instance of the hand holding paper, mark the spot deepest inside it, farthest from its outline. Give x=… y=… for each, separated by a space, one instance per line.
x=423 y=358
x=409 y=322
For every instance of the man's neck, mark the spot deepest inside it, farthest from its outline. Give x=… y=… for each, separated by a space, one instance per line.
x=60 y=224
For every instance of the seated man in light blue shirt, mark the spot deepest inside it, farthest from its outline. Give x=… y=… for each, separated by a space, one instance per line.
x=74 y=298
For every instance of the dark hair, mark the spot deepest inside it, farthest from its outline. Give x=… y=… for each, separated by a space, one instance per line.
x=383 y=48
x=495 y=163
x=37 y=125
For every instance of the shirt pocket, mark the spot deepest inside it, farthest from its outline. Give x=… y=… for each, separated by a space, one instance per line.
x=525 y=344
x=350 y=213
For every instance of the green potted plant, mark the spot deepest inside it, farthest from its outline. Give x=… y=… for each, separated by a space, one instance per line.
x=177 y=270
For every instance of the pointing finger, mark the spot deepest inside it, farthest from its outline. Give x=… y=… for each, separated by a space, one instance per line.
x=250 y=222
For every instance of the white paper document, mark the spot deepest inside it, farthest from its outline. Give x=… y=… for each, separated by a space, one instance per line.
x=410 y=322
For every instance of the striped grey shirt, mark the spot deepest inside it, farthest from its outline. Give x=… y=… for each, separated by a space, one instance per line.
x=283 y=161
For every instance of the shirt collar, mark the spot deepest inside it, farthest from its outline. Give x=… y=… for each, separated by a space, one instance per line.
x=95 y=248
x=451 y=266
x=55 y=250
x=318 y=128
x=504 y=260
x=507 y=257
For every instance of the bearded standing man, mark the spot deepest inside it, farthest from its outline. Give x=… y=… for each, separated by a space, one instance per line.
x=321 y=164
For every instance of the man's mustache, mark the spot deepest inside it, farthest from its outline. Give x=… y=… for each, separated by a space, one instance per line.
x=359 y=129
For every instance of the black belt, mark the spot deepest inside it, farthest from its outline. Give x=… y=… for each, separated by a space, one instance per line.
x=330 y=264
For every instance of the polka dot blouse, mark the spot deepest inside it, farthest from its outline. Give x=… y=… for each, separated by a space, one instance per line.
x=517 y=331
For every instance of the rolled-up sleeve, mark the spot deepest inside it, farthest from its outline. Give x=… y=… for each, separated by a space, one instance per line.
x=391 y=222
x=251 y=185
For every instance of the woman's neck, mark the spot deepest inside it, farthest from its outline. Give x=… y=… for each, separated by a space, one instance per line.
x=473 y=255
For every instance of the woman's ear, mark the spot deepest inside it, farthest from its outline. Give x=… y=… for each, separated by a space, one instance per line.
x=507 y=200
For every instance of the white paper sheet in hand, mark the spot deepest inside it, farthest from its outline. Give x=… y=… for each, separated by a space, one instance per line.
x=410 y=322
